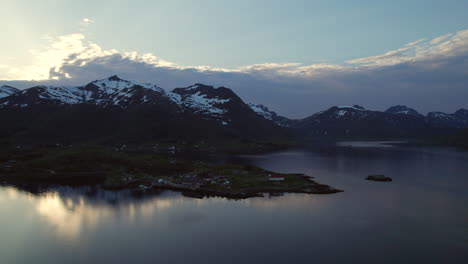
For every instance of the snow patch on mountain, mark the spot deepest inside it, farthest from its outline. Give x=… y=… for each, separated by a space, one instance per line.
x=341 y=113
x=401 y=110
x=114 y=85
x=406 y=112
x=355 y=107
x=193 y=87
x=344 y=112
x=261 y=110
x=200 y=103
x=66 y=95
x=440 y=115
x=6 y=90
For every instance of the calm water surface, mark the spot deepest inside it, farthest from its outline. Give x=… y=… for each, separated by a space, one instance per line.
x=420 y=217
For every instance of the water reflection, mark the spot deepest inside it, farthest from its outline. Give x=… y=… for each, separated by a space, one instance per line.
x=68 y=211
x=421 y=217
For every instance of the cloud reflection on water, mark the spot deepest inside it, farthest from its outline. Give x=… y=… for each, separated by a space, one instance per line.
x=68 y=212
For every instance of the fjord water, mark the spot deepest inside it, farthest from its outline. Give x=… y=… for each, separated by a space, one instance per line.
x=420 y=217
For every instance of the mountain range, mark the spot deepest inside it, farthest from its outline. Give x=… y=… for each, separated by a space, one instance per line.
x=113 y=110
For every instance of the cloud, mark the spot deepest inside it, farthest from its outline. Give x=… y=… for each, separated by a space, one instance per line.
x=426 y=74
x=422 y=50
x=85 y=23
x=416 y=42
x=440 y=39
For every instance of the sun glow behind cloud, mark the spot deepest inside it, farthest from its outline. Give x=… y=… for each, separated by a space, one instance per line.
x=55 y=53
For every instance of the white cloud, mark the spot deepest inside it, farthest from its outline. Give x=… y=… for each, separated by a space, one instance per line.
x=421 y=50
x=74 y=50
x=440 y=39
x=414 y=74
x=85 y=23
x=416 y=42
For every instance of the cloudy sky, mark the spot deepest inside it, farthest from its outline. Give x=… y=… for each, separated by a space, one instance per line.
x=297 y=56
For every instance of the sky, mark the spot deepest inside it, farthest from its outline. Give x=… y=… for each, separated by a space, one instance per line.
x=296 y=57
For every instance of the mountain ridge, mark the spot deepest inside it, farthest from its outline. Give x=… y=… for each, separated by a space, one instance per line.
x=222 y=110
x=117 y=110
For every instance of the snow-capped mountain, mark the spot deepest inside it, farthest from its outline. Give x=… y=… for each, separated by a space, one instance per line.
x=346 y=112
x=397 y=121
x=201 y=108
x=262 y=111
x=207 y=101
x=43 y=95
x=112 y=91
x=270 y=115
x=462 y=114
x=402 y=110
x=114 y=108
x=459 y=119
x=356 y=121
x=220 y=104
x=6 y=90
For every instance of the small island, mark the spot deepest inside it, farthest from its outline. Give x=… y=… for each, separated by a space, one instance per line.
x=379 y=178
x=118 y=170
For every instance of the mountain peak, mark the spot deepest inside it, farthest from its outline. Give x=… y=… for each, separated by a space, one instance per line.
x=462 y=113
x=207 y=90
x=6 y=90
x=262 y=111
x=355 y=107
x=7 y=86
x=114 y=78
x=401 y=109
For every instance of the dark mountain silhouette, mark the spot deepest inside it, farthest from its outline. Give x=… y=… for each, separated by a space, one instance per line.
x=396 y=122
x=117 y=110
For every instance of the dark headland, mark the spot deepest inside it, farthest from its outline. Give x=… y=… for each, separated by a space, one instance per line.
x=118 y=170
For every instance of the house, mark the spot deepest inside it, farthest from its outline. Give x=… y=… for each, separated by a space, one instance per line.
x=276 y=177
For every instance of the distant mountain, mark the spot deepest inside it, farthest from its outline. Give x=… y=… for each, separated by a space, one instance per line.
x=396 y=122
x=357 y=122
x=402 y=110
x=114 y=109
x=459 y=119
x=270 y=115
x=6 y=90
x=461 y=113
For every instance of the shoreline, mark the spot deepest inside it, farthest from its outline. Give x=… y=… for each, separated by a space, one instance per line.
x=117 y=170
x=311 y=187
